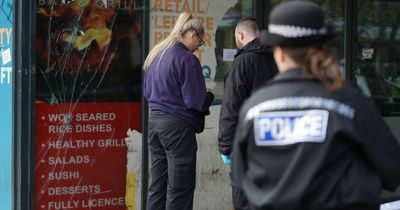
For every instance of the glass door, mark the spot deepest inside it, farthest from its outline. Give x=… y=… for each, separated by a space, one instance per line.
x=377 y=60
x=377 y=70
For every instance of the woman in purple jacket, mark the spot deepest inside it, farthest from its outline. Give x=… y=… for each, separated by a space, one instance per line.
x=178 y=100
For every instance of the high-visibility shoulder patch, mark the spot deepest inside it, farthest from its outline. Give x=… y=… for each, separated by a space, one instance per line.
x=290 y=127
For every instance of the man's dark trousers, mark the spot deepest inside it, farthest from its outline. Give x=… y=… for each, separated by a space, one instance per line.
x=239 y=199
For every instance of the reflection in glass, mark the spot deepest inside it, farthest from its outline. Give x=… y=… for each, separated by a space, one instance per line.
x=88 y=104
x=334 y=11
x=225 y=39
x=378 y=61
x=88 y=52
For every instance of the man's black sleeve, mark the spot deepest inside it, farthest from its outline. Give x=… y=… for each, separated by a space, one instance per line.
x=235 y=92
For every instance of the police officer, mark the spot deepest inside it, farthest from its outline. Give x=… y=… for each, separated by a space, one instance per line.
x=306 y=140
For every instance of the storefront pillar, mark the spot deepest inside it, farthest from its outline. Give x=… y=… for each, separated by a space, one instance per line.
x=23 y=110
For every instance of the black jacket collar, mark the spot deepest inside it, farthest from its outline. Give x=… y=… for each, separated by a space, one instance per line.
x=255 y=46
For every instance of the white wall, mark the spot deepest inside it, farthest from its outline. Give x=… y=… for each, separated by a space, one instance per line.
x=213 y=190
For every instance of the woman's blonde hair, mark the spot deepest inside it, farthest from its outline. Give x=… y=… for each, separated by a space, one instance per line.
x=184 y=23
x=317 y=62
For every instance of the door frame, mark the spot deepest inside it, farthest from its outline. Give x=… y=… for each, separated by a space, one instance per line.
x=24 y=104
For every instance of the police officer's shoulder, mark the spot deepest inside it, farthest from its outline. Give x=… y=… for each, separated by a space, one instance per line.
x=352 y=96
x=351 y=90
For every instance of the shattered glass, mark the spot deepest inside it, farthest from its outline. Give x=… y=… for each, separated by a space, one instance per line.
x=88 y=92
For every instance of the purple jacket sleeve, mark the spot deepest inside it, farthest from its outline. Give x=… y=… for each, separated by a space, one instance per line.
x=194 y=91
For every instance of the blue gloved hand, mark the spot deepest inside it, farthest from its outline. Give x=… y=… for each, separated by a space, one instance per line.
x=226 y=159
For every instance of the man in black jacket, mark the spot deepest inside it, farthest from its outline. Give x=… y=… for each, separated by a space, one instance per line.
x=253 y=65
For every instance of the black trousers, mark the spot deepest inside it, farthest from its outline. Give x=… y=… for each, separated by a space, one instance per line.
x=239 y=199
x=357 y=206
x=173 y=148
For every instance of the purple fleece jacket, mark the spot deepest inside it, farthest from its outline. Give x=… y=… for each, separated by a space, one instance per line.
x=174 y=84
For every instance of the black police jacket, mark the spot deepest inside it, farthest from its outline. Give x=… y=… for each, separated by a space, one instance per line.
x=298 y=146
x=253 y=66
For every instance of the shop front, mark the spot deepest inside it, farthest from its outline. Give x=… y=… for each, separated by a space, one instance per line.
x=78 y=139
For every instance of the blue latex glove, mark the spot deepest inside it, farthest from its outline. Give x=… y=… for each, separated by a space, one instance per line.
x=226 y=159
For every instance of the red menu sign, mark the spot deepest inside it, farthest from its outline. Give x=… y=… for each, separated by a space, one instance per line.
x=81 y=154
